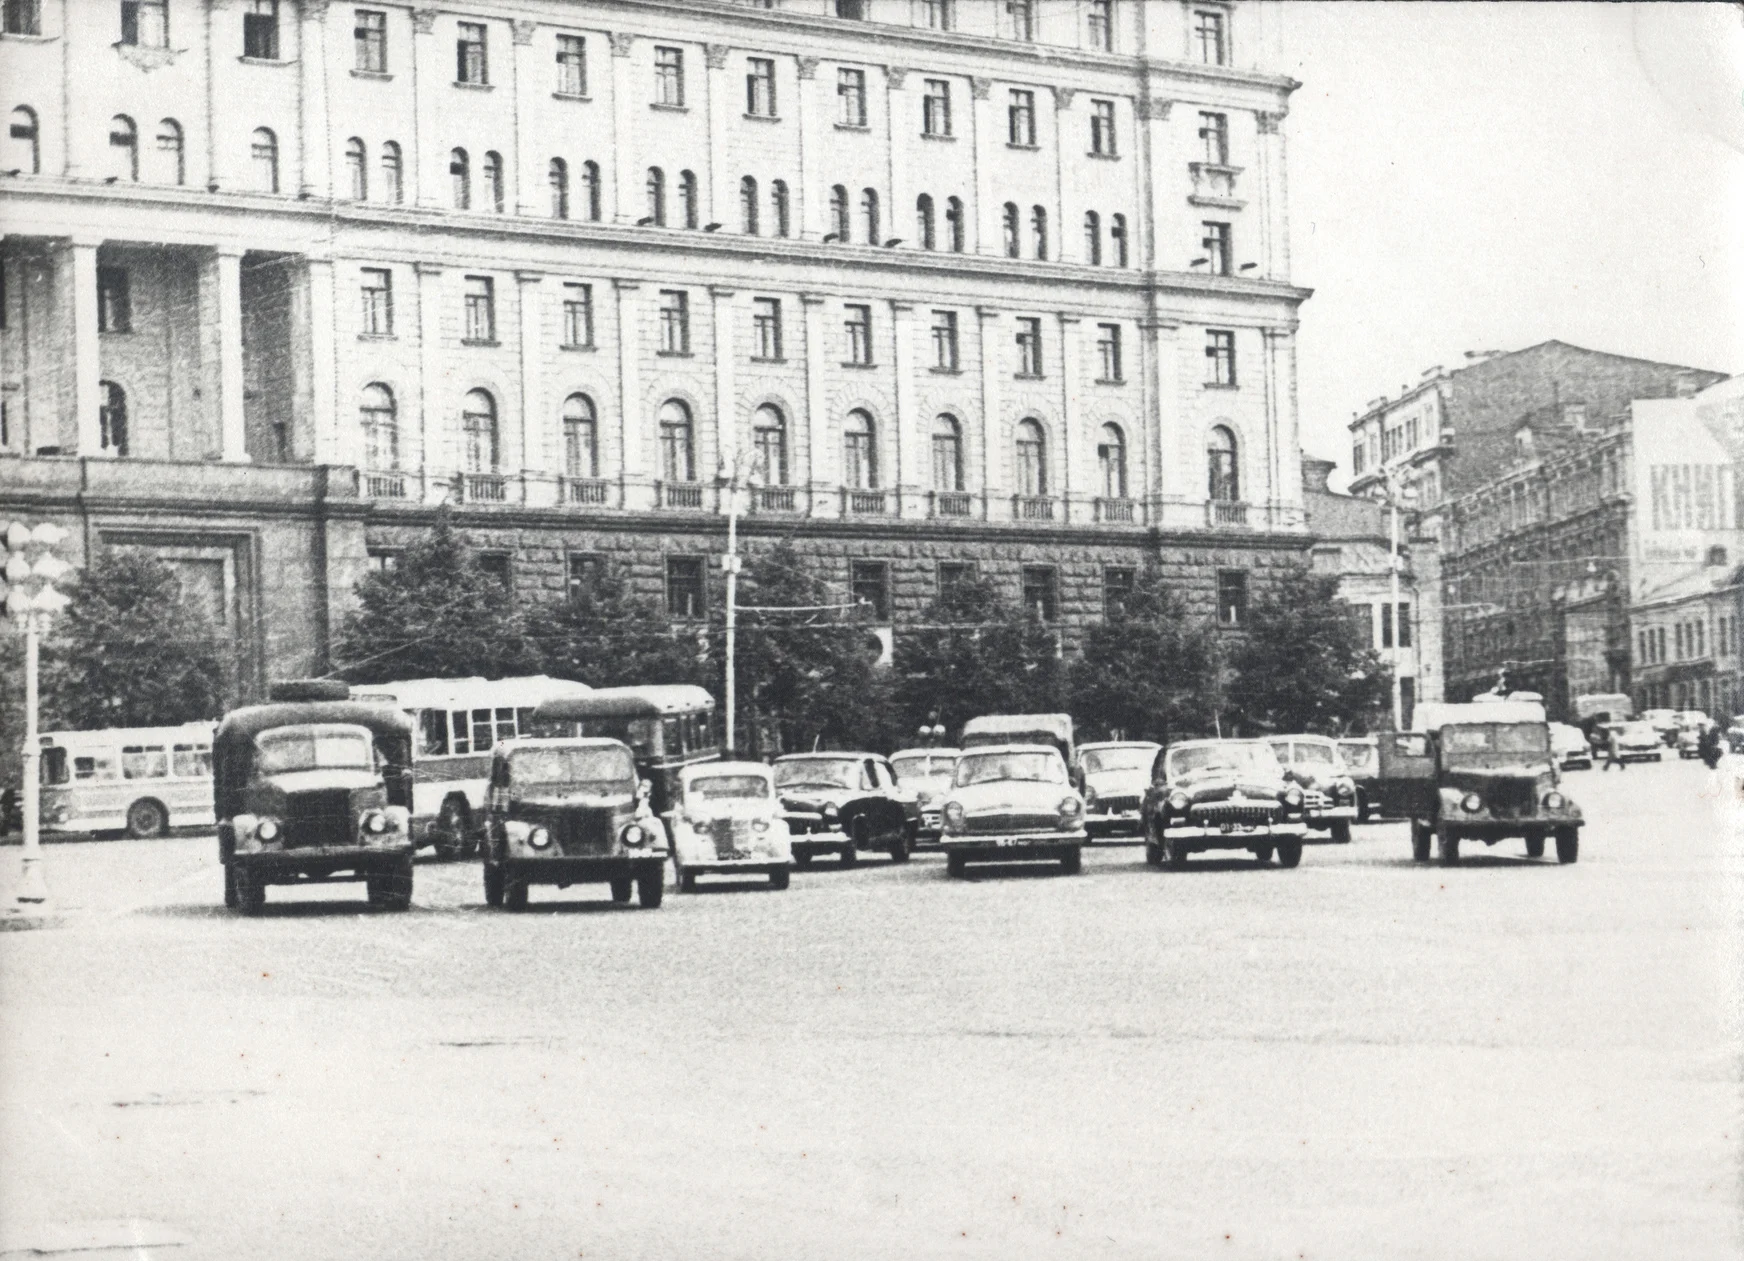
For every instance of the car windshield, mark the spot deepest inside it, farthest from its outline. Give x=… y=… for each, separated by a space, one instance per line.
x=924 y=766
x=1496 y=737
x=819 y=773
x=330 y=747
x=597 y=768
x=1098 y=760
x=1638 y=731
x=1358 y=755
x=1224 y=757
x=729 y=788
x=1037 y=767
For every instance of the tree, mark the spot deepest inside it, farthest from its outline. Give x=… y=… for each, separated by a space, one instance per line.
x=976 y=653
x=1304 y=664
x=1147 y=670
x=436 y=614
x=607 y=636
x=127 y=652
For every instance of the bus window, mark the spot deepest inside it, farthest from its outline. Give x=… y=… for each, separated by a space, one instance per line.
x=54 y=766
x=432 y=733
x=482 y=736
x=462 y=733
x=96 y=766
x=140 y=761
x=672 y=737
x=193 y=761
x=506 y=724
x=524 y=722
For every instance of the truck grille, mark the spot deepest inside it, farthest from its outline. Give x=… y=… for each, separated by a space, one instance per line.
x=581 y=833
x=1512 y=798
x=321 y=817
x=1218 y=813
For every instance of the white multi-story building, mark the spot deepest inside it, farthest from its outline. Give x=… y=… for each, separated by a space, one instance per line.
x=942 y=282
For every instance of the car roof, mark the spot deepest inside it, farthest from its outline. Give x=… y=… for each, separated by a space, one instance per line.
x=925 y=752
x=1301 y=736
x=825 y=755
x=1118 y=744
x=1208 y=741
x=707 y=770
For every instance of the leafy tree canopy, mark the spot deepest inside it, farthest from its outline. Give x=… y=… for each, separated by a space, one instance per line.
x=608 y=636
x=1148 y=671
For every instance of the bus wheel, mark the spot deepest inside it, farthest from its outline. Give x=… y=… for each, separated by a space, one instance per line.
x=146 y=817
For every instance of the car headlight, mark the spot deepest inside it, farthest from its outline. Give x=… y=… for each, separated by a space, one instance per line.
x=1471 y=803
x=954 y=814
x=539 y=838
x=1179 y=802
x=267 y=830
x=634 y=835
x=759 y=825
x=1554 y=801
x=375 y=822
x=1343 y=789
x=830 y=810
x=1292 y=796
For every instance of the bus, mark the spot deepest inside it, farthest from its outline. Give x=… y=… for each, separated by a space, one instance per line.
x=141 y=780
x=459 y=722
x=668 y=727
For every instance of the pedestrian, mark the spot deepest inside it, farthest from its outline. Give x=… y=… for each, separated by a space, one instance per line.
x=1614 y=751
x=1708 y=745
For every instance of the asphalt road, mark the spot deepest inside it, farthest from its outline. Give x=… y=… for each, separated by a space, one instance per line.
x=1360 y=1058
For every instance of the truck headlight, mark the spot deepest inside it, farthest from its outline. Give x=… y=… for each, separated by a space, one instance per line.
x=539 y=838
x=1471 y=803
x=375 y=822
x=1554 y=801
x=267 y=830
x=634 y=835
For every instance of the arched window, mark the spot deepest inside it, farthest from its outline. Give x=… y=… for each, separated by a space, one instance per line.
x=264 y=148
x=478 y=432
x=460 y=173
x=1111 y=454
x=1032 y=459
x=1013 y=230
x=590 y=186
x=779 y=205
x=859 y=452
x=677 y=450
x=947 y=454
x=689 y=202
x=493 y=179
x=923 y=218
x=580 y=437
x=357 y=169
x=559 y=180
x=954 y=223
x=748 y=205
x=26 y=136
x=112 y=417
x=1093 y=238
x=1117 y=238
x=1038 y=221
x=869 y=215
x=171 y=159
x=124 y=148
x=840 y=228
x=656 y=197
x=1220 y=458
x=769 y=433
x=381 y=427
x=393 y=181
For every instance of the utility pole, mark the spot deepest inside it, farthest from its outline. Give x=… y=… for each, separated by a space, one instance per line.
x=731 y=563
x=1393 y=610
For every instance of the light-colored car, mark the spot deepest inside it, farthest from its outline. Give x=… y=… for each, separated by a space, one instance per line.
x=1012 y=803
x=1663 y=722
x=1640 y=741
x=927 y=773
x=727 y=822
x=1223 y=794
x=1113 y=776
x=1329 y=792
x=1570 y=747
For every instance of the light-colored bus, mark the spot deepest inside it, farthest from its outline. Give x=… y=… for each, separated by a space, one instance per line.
x=459 y=722
x=144 y=780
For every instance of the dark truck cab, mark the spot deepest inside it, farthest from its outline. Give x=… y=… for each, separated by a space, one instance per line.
x=1482 y=772
x=310 y=790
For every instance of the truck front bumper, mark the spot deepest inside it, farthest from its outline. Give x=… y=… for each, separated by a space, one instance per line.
x=561 y=869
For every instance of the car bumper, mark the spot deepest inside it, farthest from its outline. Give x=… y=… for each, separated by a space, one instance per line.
x=1327 y=815
x=1241 y=835
x=1115 y=821
x=562 y=869
x=1017 y=848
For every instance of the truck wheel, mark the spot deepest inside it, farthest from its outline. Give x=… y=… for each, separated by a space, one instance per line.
x=1341 y=832
x=1289 y=853
x=1263 y=855
x=493 y=884
x=230 y=898
x=1072 y=861
x=1175 y=850
x=1447 y=840
x=956 y=865
x=1420 y=834
x=1535 y=845
x=621 y=889
x=250 y=892
x=449 y=835
x=397 y=886
x=651 y=887
x=778 y=879
x=1567 y=845
x=514 y=893
x=147 y=818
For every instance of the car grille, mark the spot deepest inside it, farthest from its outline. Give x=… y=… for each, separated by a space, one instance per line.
x=1314 y=799
x=1217 y=813
x=1115 y=805
x=322 y=817
x=732 y=838
x=1512 y=798
x=998 y=823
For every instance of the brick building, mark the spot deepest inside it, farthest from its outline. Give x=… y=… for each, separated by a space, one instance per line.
x=1004 y=285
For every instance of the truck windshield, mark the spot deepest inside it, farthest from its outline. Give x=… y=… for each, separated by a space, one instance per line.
x=729 y=788
x=819 y=773
x=315 y=749
x=1037 y=767
x=592 y=768
x=1098 y=760
x=1495 y=737
x=1360 y=756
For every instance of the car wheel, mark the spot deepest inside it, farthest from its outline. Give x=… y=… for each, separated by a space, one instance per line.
x=1153 y=853
x=230 y=897
x=493 y=884
x=1420 y=834
x=1263 y=855
x=621 y=889
x=1175 y=850
x=250 y=892
x=147 y=818
x=778 y=879
x=900 y=846
x=1535 y=845
x=1447 y=840
x=651 y=888
x=1072 y=861
x=1567 y=845
x=859 y=838
x=802 y=858
x=956 y=865
x=1341 y=832
x=1289 y=853
x=687 y=882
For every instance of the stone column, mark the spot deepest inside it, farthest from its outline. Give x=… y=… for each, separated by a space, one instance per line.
x=221 y=318
x=1074 y=479
x=719 y=179
x=1274 y=196
x=727 y=453
x=531 y=184
x=989 y=233
x=819 y=466
x=1166 y=480
x=812 y=197
x=1157 y=192
x=1267 y=441
x=619 y=171
x=992 y=470
x=899 y=217
x=429 y=159
x=317 y=343
x=906 y=482
x=77 y=272
x=638 y=491
x=438 y=452
x=535 y=438
x=1281 y=345
x=317 y=149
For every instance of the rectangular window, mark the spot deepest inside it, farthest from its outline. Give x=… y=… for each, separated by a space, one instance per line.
x=1020 y=118
x=481 y=309
x=760 y=87
x=1029 y=347
x=578 y=317
x=684 y=589
x=1100 y=20
x=22 y=17
x=1041 y=597
x=497 y=566
x=954 y=573
x=1116 y=588
x=571 y=65
x=583 y=576
x=871 y=587
x=471 y=63
x=859 y=328
x=114 y=301
x=935 y=108
x=945 y=340
x=383 y=561
x=1214 y=136
x=260 y=30
x=851 y=98
x=1108 y=351
x=674 y=322
x=766 y=328
x=1220 y=350
x=370 y=33
x=669 y=77
x=145 y=23
x=1404 y=625
x=938 y=15
x=1232 y=597
x=853 y=10
x=1209 y=37
x=378 y=301
x=1215 y=243
x=1023 y=18
x=1102 y=128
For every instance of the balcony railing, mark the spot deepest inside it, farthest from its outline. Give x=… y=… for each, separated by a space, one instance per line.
x=1225 y=512
x=586 y=490
x=1032 y=508
x=384 y=486
x=1214 y=184
x=953 y=503
x=687 y=495
x=1123 y=511
x=484 y=488
x=864 y=503
x=774 y=499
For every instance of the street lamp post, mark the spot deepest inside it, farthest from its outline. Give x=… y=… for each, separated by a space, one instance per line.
x=31 y=599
